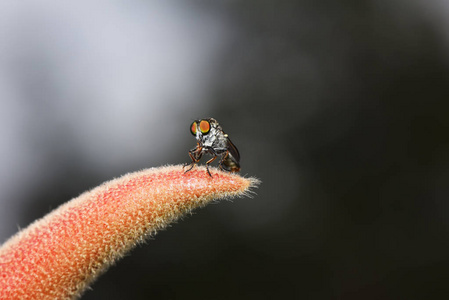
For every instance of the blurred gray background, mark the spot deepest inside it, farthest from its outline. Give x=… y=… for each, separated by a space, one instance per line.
x=340 y=108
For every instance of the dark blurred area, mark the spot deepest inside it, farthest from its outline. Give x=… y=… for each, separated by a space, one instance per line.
x=341 y=109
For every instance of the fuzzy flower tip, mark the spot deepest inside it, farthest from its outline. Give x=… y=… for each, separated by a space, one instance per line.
x=58 y=256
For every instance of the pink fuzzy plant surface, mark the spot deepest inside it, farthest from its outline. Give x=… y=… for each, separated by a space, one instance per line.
x=60 y=255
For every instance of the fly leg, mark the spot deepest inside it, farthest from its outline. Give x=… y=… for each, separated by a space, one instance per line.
x=209 y=161
x=215 y=153
x=223 y=158
x=195 y=155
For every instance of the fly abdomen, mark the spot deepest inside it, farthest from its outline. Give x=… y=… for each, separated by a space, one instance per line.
x=230 y=164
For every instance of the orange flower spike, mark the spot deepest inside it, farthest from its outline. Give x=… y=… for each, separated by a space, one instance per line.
x=60 y=255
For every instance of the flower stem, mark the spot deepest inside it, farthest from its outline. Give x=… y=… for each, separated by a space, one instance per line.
x=60 y=255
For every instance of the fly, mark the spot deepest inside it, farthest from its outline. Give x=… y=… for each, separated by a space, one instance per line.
x=211 y=139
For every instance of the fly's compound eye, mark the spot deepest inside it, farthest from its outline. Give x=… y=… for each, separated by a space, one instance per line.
x=204 y=127
x=193 y=128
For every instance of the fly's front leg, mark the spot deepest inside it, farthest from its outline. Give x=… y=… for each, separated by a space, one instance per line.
x=195 y=155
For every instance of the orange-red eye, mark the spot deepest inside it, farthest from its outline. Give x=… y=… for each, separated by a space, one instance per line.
x=193 y=128
x=204 y=127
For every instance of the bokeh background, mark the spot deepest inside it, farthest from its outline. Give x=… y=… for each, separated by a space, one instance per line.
x=339 y=107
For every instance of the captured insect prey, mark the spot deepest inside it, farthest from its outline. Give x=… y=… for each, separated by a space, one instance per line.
x=211 y=139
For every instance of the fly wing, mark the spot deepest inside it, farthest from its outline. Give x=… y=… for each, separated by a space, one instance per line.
x=231 y=163
x=233 y=151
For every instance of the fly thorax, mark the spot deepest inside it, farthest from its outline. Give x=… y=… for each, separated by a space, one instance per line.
x=209 y=140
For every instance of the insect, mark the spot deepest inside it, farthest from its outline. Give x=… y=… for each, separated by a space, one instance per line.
x=211 y=139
